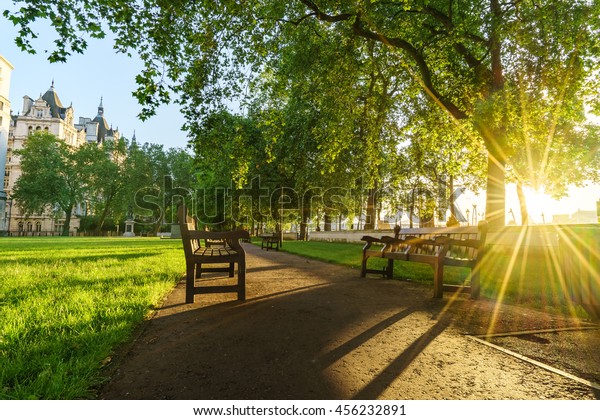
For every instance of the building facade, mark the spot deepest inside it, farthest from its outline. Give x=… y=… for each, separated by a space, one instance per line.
x=47 y=113
x=5 y=72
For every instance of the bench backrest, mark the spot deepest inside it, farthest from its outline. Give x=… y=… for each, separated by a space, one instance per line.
x=474 y=235
x=192 y=236
x=187 y=224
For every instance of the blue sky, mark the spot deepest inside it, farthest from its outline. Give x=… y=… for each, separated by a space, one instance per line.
x=83 y=80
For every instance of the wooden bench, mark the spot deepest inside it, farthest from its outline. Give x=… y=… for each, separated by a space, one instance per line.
x=271 y=240
x=204 y=247
x=438 y=247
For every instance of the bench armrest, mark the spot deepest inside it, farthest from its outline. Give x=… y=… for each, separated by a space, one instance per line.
x=372 y=239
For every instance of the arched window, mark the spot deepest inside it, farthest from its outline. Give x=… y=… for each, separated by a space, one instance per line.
x=21 y=226
x=29 y=227
x=38 y=128
x=38 y=226
x=30 y=129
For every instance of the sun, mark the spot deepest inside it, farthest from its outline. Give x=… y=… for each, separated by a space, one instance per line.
x=543 y=209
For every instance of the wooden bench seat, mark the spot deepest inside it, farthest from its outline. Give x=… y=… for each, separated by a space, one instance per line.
x=213 y=248
x=438 y=247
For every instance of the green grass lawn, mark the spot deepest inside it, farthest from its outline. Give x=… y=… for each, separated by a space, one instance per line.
x=67 y=303
x=532 y=280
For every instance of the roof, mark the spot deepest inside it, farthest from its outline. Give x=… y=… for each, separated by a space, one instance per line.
x=57 y=110
x=103 y=127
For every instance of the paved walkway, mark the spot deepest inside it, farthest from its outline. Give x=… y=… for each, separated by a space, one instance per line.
x=311 y=330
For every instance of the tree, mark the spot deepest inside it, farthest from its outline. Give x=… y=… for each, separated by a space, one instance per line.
x=155 y=179
x=106 y=175
x=467 y=56
x=52 y=176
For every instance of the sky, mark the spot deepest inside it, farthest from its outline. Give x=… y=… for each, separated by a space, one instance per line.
x=99 y=73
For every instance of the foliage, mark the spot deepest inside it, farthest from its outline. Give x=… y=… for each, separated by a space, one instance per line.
x=52 y=174
x=499 y=68
x=106 y=176
x=69 y=303
x=156 y=180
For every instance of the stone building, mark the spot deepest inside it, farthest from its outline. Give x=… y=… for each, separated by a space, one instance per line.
x=47 y=113
x=5 y=73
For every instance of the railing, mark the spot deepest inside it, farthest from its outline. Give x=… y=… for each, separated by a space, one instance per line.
x=533 y=236
x=22 y=233
x=34 y=233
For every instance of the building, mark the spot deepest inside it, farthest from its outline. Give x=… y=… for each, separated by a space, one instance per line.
x=579 y=217
x=47 y=113
x=5 y=72
x=97 y=129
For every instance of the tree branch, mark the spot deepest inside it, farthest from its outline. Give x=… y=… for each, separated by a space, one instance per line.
x=425 y=73
x=324 y=16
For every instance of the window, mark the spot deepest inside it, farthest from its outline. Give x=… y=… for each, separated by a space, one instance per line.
x=29 y=227
x=38 y=226
x=20 y=226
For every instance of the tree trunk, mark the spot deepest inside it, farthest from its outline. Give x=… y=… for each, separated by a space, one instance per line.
x=371 y=208
x=103 y=216
x=67 y=224
x=522 y=204
x=496 y=190
x=304 y=219
x=452 y=204
x=411 y=208
x=327 y=222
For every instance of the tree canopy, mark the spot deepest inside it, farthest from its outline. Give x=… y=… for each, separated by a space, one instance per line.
x=52 y=178
x=519 y=76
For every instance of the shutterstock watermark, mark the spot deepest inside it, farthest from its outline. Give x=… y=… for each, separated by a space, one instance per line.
x=255 y=203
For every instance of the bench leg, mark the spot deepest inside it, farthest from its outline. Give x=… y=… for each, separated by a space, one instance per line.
x=189 y=282
x=242 y=280
x=363 y=270
x=438 y=280
x=390 y=269
x=475 y=285
x=231 y=269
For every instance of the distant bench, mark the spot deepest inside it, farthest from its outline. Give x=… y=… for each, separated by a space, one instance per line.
x=271 y=240
x=438 y=247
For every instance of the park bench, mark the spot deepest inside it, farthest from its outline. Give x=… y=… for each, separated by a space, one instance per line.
x=271 y=240
x=213 y=248
x=462 y=246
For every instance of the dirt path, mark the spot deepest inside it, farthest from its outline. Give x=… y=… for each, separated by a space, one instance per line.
x=311 y=330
